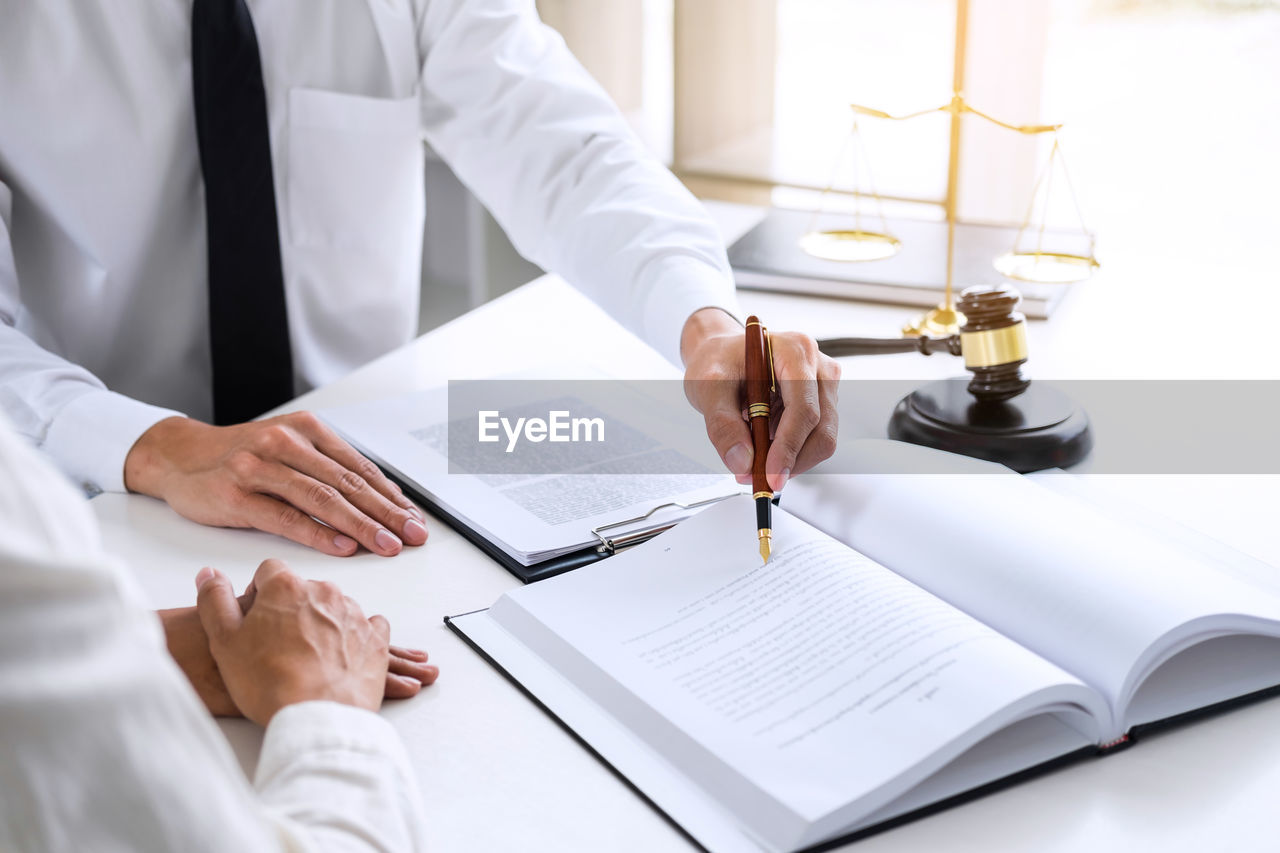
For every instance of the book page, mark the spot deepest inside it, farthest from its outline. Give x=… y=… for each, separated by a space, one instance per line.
x=1111 y=495
x=790 y=690
x=1083 y=589
x=1209 y=671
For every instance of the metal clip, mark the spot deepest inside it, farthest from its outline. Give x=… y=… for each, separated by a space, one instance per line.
x=614 y=544
x=773 y=376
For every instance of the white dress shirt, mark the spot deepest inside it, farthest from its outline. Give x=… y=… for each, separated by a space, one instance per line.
x=104 y=746
x=103 y=281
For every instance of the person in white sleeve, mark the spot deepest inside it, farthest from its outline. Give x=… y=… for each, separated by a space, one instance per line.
x=106 y=747
x=172 y=206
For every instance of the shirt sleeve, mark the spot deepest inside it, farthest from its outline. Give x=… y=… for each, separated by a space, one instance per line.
x=541 y=145
x=57 y=405
x=107 y=747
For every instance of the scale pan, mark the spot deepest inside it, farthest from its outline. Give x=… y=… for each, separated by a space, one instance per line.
x=1045 y=267
x=850 y=245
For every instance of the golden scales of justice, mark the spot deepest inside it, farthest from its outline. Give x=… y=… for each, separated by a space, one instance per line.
x=999 y=415
x=1033 y=264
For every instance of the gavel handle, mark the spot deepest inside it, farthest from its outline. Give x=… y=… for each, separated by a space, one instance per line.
x=836 y=347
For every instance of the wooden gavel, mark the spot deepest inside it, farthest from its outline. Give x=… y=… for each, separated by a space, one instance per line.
x=993 y=342
x=999 y=416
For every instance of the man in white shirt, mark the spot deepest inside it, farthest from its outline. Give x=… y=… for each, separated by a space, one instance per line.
x=112 y=228
x=105 y=747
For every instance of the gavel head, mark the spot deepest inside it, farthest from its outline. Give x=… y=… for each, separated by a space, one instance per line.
x=993 y=341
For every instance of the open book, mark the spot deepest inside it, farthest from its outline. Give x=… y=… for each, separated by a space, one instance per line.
x=914 y=638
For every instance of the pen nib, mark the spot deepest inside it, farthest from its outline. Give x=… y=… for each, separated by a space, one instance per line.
x=764 y=548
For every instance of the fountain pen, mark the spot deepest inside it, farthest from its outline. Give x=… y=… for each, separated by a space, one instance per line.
x=760 y=388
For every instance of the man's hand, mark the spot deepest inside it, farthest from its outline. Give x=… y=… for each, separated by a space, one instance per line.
x=279 y=475
x=713 y=347
x=189 y=647
x=300 y=641
x=407 y=669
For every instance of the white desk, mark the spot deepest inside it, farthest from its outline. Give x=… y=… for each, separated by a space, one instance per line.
x=498 y=774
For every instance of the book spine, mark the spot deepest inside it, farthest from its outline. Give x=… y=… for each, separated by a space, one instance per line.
x=1122 y=742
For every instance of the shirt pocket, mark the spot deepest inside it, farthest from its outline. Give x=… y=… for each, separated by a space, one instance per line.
x=354 y=170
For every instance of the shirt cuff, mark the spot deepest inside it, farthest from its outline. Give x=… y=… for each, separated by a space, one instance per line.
x=93 y=434
x=320 y=726
x=677 y=287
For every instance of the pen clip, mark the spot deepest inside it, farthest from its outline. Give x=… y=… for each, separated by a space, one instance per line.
x=768 y=342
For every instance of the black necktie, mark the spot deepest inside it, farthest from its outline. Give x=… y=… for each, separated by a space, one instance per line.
x=248 y=326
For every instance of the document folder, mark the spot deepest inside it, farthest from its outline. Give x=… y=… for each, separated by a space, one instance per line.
x=536 y=523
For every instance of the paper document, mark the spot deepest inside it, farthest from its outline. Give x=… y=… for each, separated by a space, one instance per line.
x=532 y=515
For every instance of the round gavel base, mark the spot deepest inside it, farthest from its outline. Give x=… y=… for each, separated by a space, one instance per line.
x=1040 y=428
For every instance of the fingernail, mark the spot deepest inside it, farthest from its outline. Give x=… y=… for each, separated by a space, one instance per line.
x=410 y=683
x=739 y=458
x=413 y=529
x=385 y=540
x=203 y=576
x=417 y=513
x=344 y=543
x=782 y=478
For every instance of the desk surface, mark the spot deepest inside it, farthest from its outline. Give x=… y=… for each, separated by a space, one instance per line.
x=498 y=774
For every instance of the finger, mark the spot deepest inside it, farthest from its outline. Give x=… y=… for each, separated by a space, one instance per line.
x=720 y=402
x=358 y=492
x=324 y=503
x=408 y=654
x=423 y=672
x=795 y=362
x=381 y=626
x=267 y=571
x=328 y=443
x=275 y=581
x=247 y=597
x=216 y=603
x=275 y=516
x=400 y=687
x=821 y=443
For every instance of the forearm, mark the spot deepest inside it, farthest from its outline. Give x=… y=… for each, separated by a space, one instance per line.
x=330 y=775
x=57 y=405
x=65 y=410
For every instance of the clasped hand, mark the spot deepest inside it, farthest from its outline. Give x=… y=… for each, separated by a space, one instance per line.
x=287 y=640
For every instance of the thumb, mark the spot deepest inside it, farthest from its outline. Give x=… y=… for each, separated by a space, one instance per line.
x=216 y=602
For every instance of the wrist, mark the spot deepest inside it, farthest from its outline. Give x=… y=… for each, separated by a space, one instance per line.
x=704 y=324
x=146 y=462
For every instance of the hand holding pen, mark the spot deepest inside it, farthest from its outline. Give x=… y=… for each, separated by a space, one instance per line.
x=803 y=417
